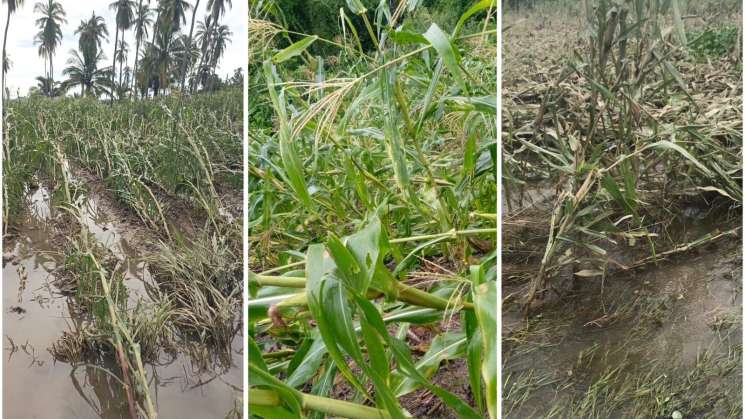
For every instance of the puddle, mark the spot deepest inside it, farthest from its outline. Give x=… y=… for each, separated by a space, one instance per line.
x=35 y=315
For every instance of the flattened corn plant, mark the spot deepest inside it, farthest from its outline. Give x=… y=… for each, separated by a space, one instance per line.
x=372 y=212
x=159 y=159
x=632 y=129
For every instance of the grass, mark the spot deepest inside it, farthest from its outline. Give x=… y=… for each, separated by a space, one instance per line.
x=371 y=215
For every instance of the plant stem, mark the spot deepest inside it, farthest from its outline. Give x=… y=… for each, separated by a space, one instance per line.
x=259 y=397
x=453 y=233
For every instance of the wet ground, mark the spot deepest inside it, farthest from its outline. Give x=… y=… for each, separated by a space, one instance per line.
x=645 y=343
x=36 y=313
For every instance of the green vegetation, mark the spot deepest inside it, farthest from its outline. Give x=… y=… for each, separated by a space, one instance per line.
x=714 y=42
x=372 y=191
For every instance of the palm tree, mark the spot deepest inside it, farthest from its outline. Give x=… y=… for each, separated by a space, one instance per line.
x=186 y=54
x=48 y=87
x=124 y=18
x=204 y=36
x=42 y=51
x=83 y=71
x=13 y=5
x=143 y=19
x=220 y=39
x=91 y=32
x=158 y=60
x=174 y=13
x=121 y=57
x=184 y=70
x=50 y=29
x=217 y=8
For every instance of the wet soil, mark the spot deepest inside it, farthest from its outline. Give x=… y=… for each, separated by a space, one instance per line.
x=36 y=313
x=645 y=343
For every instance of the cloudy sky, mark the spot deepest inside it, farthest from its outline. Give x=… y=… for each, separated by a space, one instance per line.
x=27 y=64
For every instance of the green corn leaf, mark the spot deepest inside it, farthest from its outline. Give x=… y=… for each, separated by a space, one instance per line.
x=308 y=367
x=611 y=186
x=394 y=144
x=254 y=353
x=449 y=54
x=484 y=298
x=291 y=398
x=293 y=167
x=406 y=365
x=317 y=266
x=481 y=5
x=442 y=347
x=294 y=50
x=667 y=145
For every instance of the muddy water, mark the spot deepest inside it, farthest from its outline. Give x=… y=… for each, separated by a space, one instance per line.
x=35 y=315
x=662 y=324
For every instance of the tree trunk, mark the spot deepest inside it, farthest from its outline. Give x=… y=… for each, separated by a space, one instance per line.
x=51 y=70
x=113 y=64
x=121 y=65
x=199 y=70
x=134 y=73
x=137 y=55
x=155 y=32
x=184 y=67
x=5 y=41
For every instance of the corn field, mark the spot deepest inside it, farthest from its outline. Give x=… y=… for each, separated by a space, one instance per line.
x=622 y=168
x=372 y=216
x=135 y=208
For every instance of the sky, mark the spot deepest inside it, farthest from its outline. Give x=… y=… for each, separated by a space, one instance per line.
x=26 y=64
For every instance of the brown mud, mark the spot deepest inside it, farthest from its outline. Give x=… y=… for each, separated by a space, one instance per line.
x=639 y=343
x=37 y=313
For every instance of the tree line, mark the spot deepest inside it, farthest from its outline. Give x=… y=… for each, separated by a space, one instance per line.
x=166 y=56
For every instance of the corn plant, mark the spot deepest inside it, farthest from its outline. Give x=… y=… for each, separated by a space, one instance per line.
x=175 y=166
x=622 y=162
x=372 y=188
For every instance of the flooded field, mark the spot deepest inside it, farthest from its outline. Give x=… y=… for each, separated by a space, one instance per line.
x=646 y=343
x=622 y=239
x=121 y=292
x=38 y=312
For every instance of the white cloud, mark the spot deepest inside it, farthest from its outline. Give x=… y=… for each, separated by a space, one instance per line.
x=27 y=64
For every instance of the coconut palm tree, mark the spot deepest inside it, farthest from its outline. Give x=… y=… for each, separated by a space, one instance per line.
x=143 y=19
x=50 y=30
x=186 y=54
x=204 y=39
x=42 y=51
x=48 y=87
x=220 y=39
x=91 y=32
x=13 y=5
x=173 y=13
x=217 y=8
x=121 y=57
x=158 y=61
x=185 y=67
x=83 y=71
x=124 y=17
